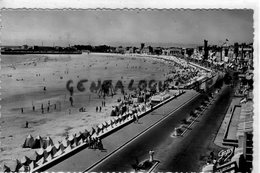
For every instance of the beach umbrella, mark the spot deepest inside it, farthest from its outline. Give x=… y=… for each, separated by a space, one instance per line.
x=29 y=141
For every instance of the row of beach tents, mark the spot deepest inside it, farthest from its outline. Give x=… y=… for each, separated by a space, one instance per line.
x=47 y=150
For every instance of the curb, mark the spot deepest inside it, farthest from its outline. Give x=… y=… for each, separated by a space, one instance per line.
x=140 y=134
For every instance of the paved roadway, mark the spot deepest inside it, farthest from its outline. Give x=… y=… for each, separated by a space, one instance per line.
x=175 y=154
x=88 y=157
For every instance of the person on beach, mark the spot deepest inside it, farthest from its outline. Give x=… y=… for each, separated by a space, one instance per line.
x=48 y=109
x=42 y=108
x=100 y=108
x=136 y=117
x=71 y=101
x=33 y=108
x=96 y=108
x=44 y=89
x=26 y=124
x=22 y=110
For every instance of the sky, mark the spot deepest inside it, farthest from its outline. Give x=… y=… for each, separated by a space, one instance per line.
x=126 y=27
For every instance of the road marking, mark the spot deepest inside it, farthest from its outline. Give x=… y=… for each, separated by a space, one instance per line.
x=140 y=134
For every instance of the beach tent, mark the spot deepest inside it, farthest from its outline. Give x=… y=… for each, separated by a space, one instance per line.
x=49 y=158
x=6 y=169
x=57 y=146
x=32 y=165
x=51 y=150
x=38 y=142
x=113 y=113
x=98 y=130
x=47 y=142
x=18 y=165
x=80 y=142
x=68 y=149
x=29 y=141
x=41 y=161
x=72 y=139
x=25 y=160
x=65 y=143
x=23 y=169
x=36 y=156
x=58 y=153
x=93 y=131
x=43 y=153
x=79 y=137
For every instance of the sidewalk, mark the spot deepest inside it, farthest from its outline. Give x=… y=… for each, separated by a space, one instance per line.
x=225 y=123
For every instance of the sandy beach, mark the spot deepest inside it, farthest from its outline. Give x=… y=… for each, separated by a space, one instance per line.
x=24 y=78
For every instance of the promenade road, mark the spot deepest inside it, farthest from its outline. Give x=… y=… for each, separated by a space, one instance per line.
x=174 y=154
x=87 y=158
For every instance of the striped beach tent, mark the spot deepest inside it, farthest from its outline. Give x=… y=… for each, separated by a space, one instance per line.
x=65 y=143
x=59 y=152
x=68 y=149
x=38 y=142
x=80 y=142
x=49 y=157
x=47 y=142
x=51 y=150
x=25 y=160
x=42 y=152
x=18 y=165
x=79 y=136
x=24 y=169
x=6 y=169
x=36 y=156
x=32 y=165
x=72 y=139
x=93 y=131
x=57 y=146
x=29 y=141
x=41 y=161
